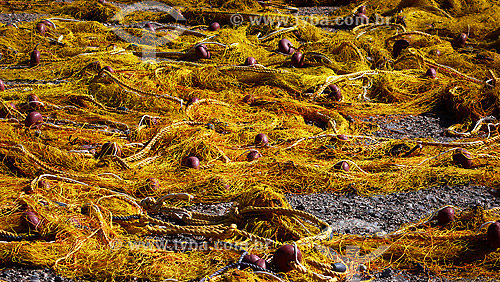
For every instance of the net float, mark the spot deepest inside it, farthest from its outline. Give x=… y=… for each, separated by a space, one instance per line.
x=431 y=73
x=249 y=99
x=153 y=183
x=254 y=259
x=151 y=121
x=261 y=263
x=445 y=216
x=193 y=100
x=34 y=102
x=285 y=46
x=494 y=235
x=2 y=85
x=44 y=184
x=261 y=139
x=462 y=158
x=342 y=137
x=250 y=258
x=31 y=220
x=41 y=28
x=150 y=27
x=343 y=165
x=361 y=18
x=109 y=149
x=193 y=162
x=399 y=46
x=34 y=119
x=48 y=23
x=34 y=58
x=95 y=65
x=284 y=256
x=108 y=68
x=297 y=60
x=250 y=61
x=361 y=9
x=253 y=155
x=461 y=40
x=214 y=26
x=334 y=92
x=436 y=52
x=202 y=52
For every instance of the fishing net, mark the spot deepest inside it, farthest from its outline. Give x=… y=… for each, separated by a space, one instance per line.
x=101 y=188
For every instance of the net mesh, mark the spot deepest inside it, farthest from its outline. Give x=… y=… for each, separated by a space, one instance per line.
x=111 y=211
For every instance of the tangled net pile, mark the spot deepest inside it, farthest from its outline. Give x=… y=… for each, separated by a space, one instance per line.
x=107 y=165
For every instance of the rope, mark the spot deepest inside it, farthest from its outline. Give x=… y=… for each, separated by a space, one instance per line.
x=137 y=90
x=157 y=138
x=255 y=68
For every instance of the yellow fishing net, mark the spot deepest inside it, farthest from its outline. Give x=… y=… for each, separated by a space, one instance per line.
x=99 y=188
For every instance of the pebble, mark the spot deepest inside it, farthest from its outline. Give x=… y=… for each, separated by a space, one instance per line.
x=339 y=267
x=386 y=273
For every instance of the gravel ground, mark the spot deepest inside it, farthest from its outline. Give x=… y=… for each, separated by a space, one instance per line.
x=20 y=17
x=382 y=214
x=319 y=10
x=28 y=274
x=428 y=125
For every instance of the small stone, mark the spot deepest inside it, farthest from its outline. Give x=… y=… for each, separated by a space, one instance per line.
x=339 y=267
x=386 y=273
